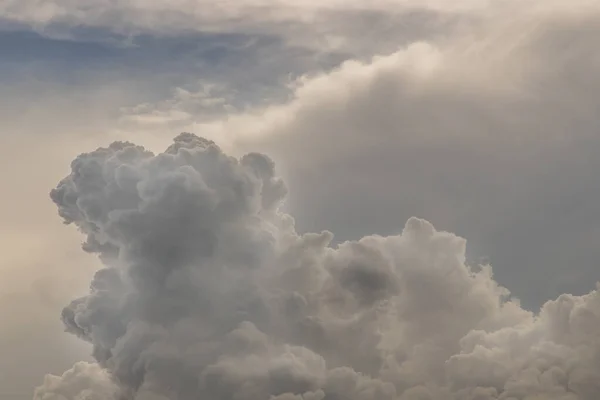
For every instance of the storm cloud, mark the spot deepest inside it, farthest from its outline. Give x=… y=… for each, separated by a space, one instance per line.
x=208 y=292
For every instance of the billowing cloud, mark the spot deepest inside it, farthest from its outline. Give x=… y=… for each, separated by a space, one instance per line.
x=492 y=135
x=486 y=128
x=85 y=381
x=208 y=291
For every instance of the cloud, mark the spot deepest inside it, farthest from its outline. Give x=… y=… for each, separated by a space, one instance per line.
x=208 y=291
x=340 y=24
x=486 y=128
x=185 y=106
x=490 y=134
x=84 y=381
x=344 y=26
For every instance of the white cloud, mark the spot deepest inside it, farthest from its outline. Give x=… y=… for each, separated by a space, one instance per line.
x=487 y=127
x=491 y=133
x=84 y=381
x=208 y=291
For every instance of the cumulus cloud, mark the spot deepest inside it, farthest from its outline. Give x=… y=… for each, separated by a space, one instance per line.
x=85 y=381
x=487 y=128
x=208 y=291
x=491 y=133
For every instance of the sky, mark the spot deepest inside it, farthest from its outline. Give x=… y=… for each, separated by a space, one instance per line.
x=477 y=117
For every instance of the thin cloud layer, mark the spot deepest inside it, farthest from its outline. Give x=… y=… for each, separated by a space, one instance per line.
x=208 y=291
x=356 y=27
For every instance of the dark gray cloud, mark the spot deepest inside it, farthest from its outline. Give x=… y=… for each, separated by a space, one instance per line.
x=207 y=291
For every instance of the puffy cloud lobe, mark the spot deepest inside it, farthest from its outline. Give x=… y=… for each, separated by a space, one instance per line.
x=209 y=292
x=84 y=381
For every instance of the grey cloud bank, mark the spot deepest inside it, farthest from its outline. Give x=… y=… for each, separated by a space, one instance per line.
x=208 y=291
